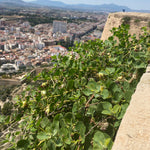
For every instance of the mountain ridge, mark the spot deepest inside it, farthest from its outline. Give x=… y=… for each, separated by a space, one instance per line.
x=81 y=7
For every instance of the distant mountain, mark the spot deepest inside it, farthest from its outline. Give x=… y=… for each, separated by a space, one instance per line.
x=82 y=7
x=10 y=3
x=58 y=4
x=104 y=7
x=16 y=3
x=13 y=1
x=49 y=3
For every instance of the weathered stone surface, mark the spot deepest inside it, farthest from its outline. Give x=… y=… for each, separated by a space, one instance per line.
x=137 y=21
x=134 y=131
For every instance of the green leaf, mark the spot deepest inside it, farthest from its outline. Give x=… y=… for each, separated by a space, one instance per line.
x=101 y=141
x=44 y=146
x=83 y=81
x=45 y=121
x=2 y=118
x=7 y=120
x=50 y=145
x=106 y=105
x=142 y=65
x=58 y=117
x=92 y=109
x=107 y=112
x=99 y=108
x=115 y=88
x=116 y=109
x=75 y=107
x=76 y=83
x=68 y=117
x=55 y=127
x=87 y=92
x=128 y=94
x=123 y=110
x=110 y=70
x=117 y=123
x=105 y=94
x=107 y=108
x=54 y=57
x=70 y=84
x=65 y=135
x=43 y=136
x=107 y=141
x=80 y=127
x=22 y=144
x=59 y=142
x=93 y=86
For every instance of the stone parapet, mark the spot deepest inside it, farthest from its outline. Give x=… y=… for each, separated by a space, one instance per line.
x=136 y=22
x=134 y=131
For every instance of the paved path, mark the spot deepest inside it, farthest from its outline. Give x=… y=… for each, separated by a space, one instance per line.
x=134 y=131
x=9 y=82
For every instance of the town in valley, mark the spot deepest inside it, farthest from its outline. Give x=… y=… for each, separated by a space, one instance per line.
x=30 y=37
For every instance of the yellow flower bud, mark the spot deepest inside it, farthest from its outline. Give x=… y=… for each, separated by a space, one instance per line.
x=24 y=104
x=100 y=74
x=119 y=78
x=101 y=88
x=44 y=84
x=43 y=93
x=47 y=109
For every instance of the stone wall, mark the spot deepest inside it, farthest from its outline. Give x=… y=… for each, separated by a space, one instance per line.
x=134 y=131
x=136 y=21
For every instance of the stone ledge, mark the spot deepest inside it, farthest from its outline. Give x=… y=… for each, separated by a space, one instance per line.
x=134 y=131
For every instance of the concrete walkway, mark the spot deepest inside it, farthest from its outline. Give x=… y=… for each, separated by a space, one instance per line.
x=134 y=131
x=9 y=82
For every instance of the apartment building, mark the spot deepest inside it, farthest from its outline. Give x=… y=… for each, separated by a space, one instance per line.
x=59 y=26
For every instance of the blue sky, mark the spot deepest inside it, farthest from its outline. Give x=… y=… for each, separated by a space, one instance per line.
x=134 y=4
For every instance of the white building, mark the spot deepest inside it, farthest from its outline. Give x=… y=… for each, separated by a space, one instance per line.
x=21 y=46
x=6 y=47
x=8 y=68
x=59 y=26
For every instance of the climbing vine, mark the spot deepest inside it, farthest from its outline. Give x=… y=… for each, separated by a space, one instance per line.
x=79 y=103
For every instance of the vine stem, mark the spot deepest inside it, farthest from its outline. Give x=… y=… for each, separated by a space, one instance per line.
x=92 y=128
x=79 y=144
x=78 y=147
x=86 y=105
x=95 y=126
x=52 y=80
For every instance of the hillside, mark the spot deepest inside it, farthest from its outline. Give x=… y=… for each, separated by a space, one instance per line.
x=134 y=19
x=79 y=102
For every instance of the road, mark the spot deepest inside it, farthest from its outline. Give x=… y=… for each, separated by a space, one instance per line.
x=8 y=82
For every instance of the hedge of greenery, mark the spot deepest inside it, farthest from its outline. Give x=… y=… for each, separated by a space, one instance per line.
x=79 y=103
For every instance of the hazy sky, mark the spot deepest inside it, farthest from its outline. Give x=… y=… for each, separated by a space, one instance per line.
x=134 y=4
